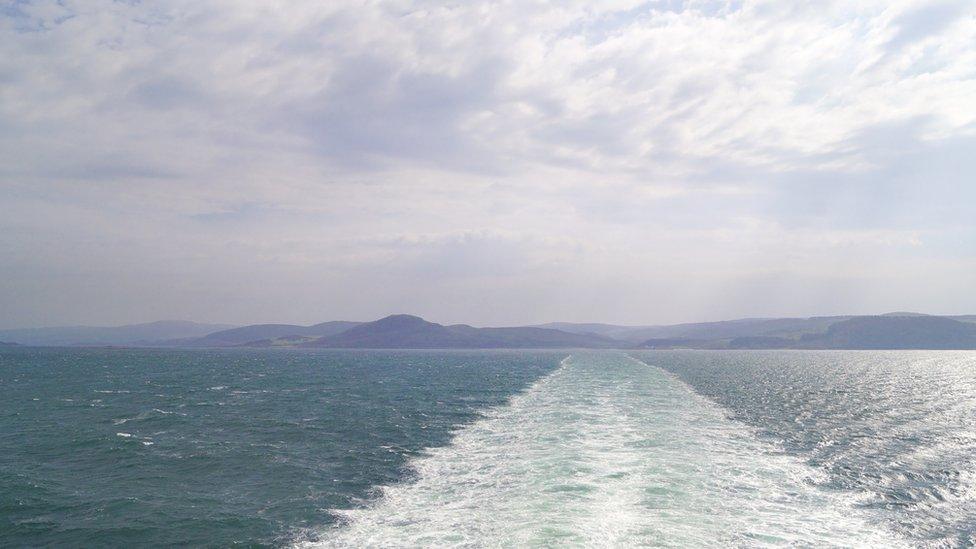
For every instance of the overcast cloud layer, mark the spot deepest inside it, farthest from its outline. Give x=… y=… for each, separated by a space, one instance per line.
x=489 y=162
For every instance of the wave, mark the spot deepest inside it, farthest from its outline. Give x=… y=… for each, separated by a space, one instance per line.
x=606 y=450
x=145 y=415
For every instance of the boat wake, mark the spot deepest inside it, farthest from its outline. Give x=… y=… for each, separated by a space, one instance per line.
x=607 y=450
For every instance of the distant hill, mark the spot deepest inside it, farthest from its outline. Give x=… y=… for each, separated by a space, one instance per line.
x=8 y=344
x=133 y=334
x=411 y=332
x=706 y=331
x=895 y=332
x=605 y=330
x=282 y=341
x=675 y=343
x=527 y=336
x=890 y=331
x=761 y=342
x=964 y=318
x=267 y=334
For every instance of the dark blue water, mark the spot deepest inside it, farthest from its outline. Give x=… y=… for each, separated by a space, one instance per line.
x=161 y=447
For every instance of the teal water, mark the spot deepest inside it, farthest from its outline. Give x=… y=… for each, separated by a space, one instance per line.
x=502 y=448
x=160 y=447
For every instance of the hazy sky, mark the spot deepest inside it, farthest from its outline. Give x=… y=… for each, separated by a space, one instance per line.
x=492 y=162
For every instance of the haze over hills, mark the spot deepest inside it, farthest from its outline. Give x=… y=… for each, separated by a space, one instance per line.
x=406 y=331
x=131 y=334
x=889 y=331
x=813 y=332
x=892 y=331
x=895 y=332
x=268 y=333
x=724 y=329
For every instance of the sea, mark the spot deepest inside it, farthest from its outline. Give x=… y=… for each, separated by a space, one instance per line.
x=328 y=448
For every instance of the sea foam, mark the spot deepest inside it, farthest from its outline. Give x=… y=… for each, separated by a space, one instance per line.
x=607 y=451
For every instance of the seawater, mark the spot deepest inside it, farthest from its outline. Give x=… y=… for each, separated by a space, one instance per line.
x=608 y=451
x=499 y=448
x=894 y=430
x=130 y=447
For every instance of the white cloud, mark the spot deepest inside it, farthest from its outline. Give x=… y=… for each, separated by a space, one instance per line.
x=496 y=144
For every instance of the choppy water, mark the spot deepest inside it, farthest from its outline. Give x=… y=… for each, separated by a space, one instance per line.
x=608 y=451
x=894 y=429
x=353 y=449
x=161 y=447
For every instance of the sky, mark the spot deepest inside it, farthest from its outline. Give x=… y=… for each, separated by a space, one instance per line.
x=488 y=162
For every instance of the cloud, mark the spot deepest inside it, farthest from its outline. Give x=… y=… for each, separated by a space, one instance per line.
x=410 y=153
x=925 y=20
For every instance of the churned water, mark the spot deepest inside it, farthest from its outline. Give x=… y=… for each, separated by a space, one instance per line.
x=608 y=451
x=501 y=448
x=896 y=430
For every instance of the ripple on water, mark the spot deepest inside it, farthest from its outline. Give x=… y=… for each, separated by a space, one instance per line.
x=607 y=451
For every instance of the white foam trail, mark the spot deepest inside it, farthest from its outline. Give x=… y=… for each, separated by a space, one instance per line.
x=606 y=451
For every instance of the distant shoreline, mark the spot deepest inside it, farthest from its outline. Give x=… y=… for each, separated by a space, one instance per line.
x=905 y=331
